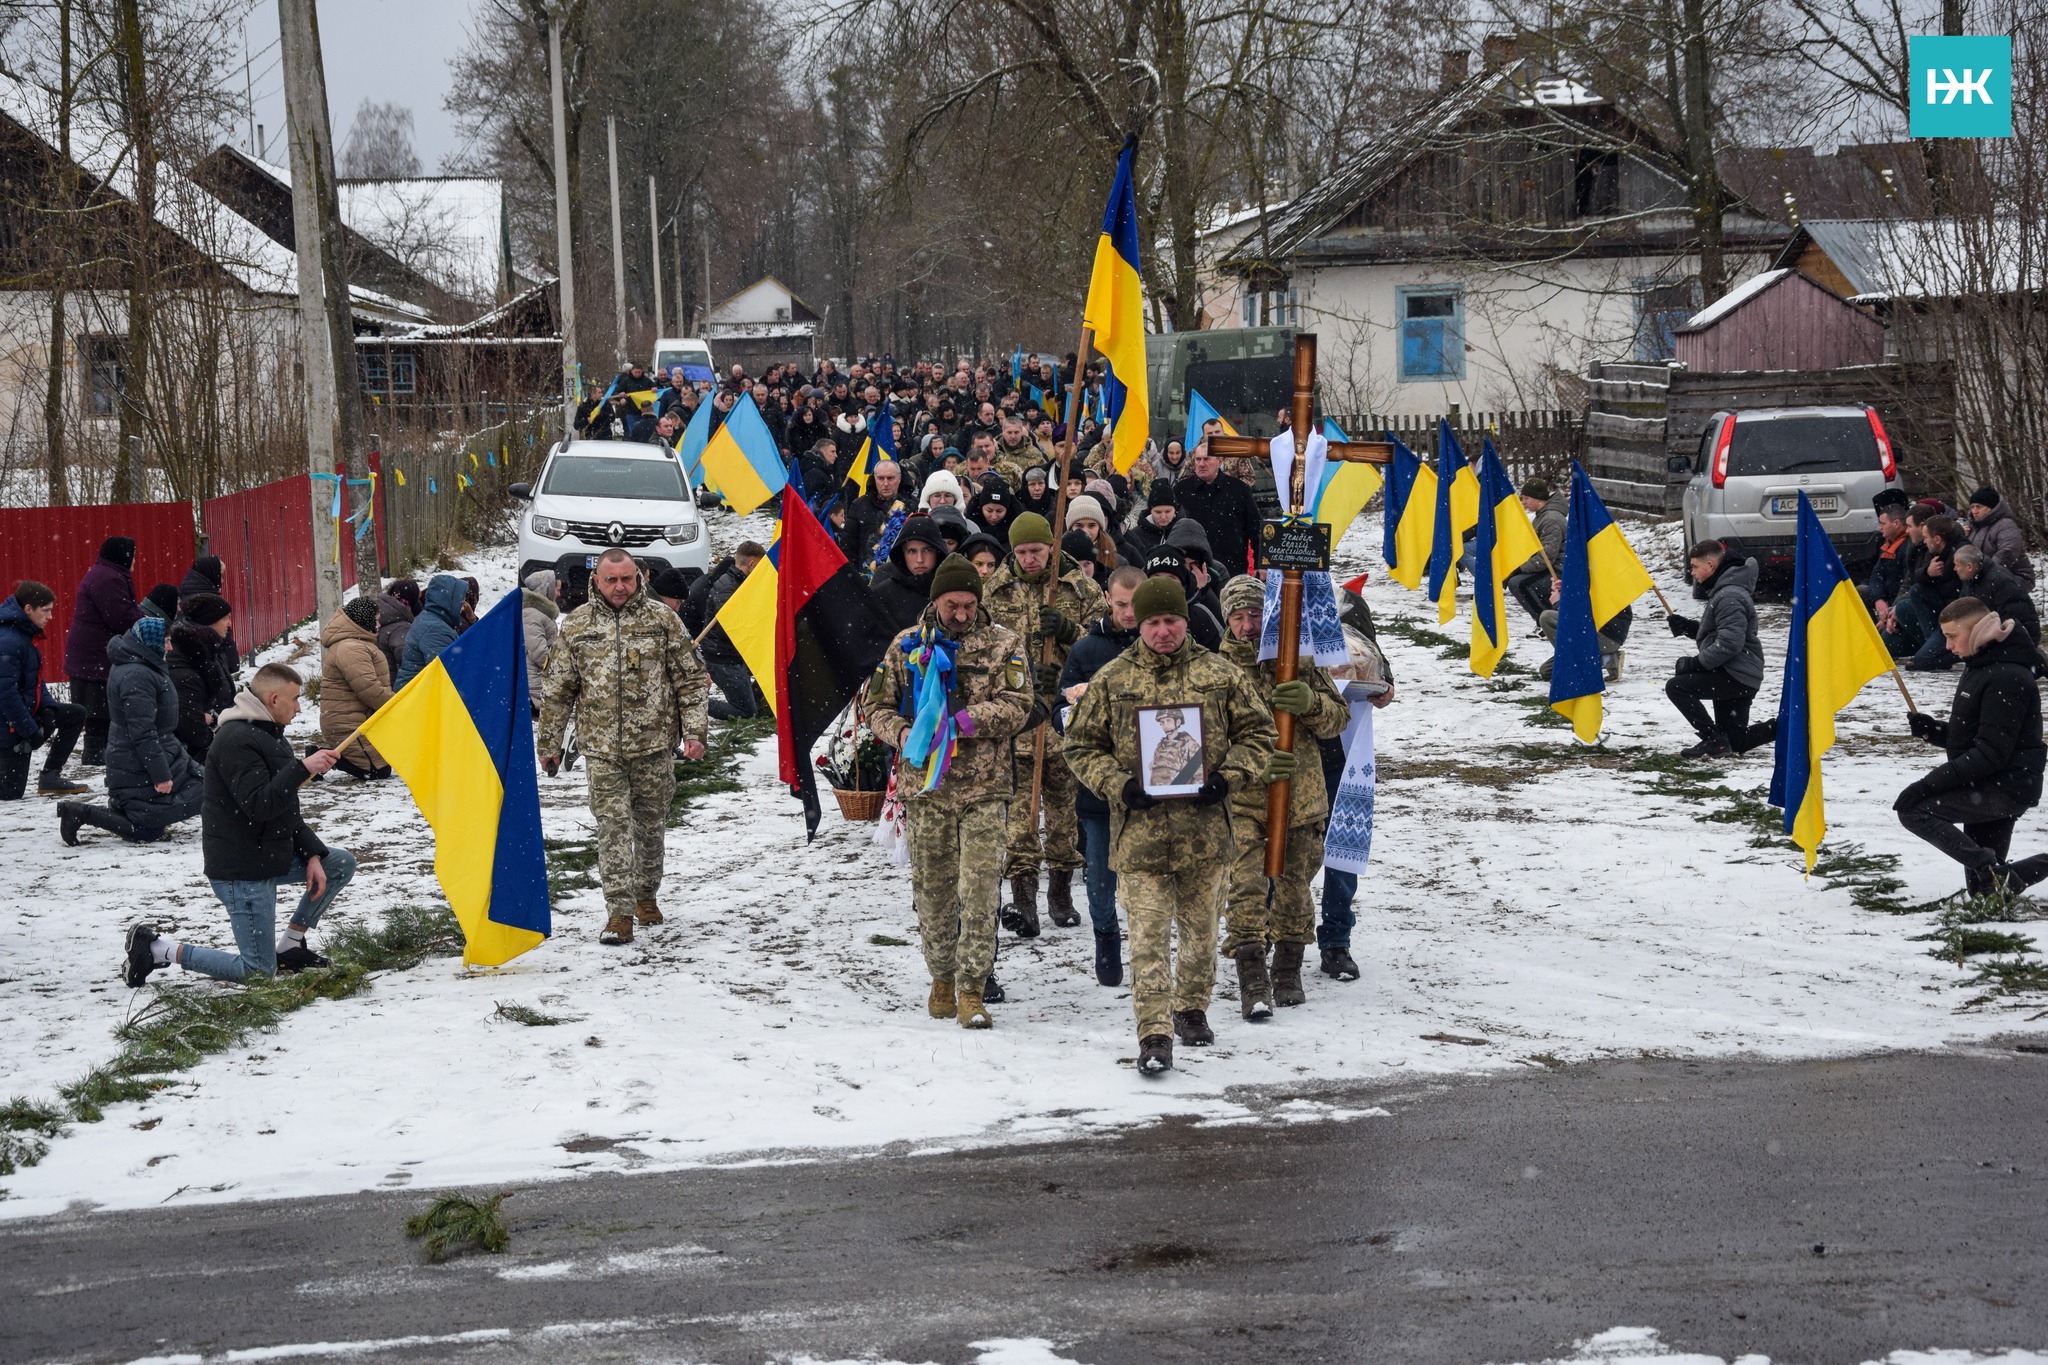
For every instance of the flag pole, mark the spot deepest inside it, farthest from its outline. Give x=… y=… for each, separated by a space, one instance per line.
x=1899 y=678
x=1059 y=526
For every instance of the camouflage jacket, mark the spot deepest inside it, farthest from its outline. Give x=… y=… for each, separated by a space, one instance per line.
x=1015 y=602
x=630 y=674
x=1308 y=799
x=1102 y=750
x=991 y=683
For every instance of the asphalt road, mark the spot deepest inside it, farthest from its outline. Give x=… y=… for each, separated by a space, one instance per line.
x=1817 y=1212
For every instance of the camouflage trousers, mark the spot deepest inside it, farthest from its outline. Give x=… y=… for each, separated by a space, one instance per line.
x=955 y=879
x=630 y=799
x=1055 y=809
x=1288 y=913
x=1163 y=907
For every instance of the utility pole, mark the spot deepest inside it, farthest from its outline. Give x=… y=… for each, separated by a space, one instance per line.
x=566 y=266
x=675 y=249
x=654 y=254
x=130 y=475
x=611 y=138
x=337 y=448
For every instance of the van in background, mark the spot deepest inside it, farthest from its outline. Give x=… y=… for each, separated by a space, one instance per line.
x=689 y=352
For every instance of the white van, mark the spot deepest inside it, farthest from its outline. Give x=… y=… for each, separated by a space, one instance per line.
x=689 y=352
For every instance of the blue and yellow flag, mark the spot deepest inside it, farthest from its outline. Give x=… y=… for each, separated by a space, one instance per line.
x=1457 y=511
x=1506 y=542
x=878 y=445
x=742 y=457
x=690 y=450
x=1345 y=490
x=1116 y=311
x=1410 y=525
x=748 y=618
x=461 y=735
x=1200 y=413
x=1599 y=576
x=1832 y=650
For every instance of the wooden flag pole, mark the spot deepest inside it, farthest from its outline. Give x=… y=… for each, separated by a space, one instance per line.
x=1052 y=583
x=1899 y=678
x=1280 y=794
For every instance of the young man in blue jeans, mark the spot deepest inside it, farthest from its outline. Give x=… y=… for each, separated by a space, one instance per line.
x=1109 y=636
x=255 y=840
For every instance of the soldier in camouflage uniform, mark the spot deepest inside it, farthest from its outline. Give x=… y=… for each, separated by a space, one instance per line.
x=1285 y=917
x=1016 y=597
x=1170 y=856
x=623 y=664
x=956 y=828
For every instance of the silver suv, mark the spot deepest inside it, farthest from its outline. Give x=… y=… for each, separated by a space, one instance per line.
x=1752 y=466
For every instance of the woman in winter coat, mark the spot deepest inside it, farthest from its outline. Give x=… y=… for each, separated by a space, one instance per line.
x=436 y=627
x=152 y=783
x=355 y=679
x=205 y=687
x=208 y=575
x=539 y=614
x=106 y=608
x=396 y=609
x=1994 y=530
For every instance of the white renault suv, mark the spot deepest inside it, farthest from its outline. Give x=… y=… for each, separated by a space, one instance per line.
x=592 y=496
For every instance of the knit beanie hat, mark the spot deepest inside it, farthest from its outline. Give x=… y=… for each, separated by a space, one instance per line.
x=149 y=630
x=1159 y=597
x=956 y=574
x=362 y=611
x=1078 y=547
x=1030 y=529
x=165 y=598
x=1538 y=489
x=1162 y=494
x=671 y=583
x=119 y=549
x=1987 y=496
x=1243 y=593
x=204 y=608
x=1085 y=508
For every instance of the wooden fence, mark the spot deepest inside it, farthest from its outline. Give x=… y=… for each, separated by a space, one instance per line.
x=1541 y=442
x=437 y=494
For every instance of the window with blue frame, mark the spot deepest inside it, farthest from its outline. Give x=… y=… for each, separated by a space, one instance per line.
x=1661 y=309
x=1432 y=321
x=376 y=378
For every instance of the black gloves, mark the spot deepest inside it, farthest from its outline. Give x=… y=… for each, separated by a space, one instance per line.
x=1047 y=677
x=1213 y=790
x=1061 y=627
x=1136 y=797
x=1927 y=727
x=1038 y=715
x=1689 y=664
x=1683 y=625
x=1914 y=795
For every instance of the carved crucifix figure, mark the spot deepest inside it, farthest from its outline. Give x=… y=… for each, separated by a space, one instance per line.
x=1291 y=554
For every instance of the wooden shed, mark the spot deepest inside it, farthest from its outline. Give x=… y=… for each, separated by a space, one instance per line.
x=1780 y=320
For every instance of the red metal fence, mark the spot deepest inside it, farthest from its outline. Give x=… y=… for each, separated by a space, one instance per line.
x=56 y=545
x=264 y=538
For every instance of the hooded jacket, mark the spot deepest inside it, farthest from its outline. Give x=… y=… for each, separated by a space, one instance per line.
x=2000 y=538
x=1997 y=588
x=250 y=827
x=903 y=594
x=1993 y=734
x=436 y=627
x=22 y=693
x=538 y=614
x=204 y=686
x=105 y=608
x=1100 y=643
x=394 y=623
x=1727 y=629
x=355 y=679
x=142 y=735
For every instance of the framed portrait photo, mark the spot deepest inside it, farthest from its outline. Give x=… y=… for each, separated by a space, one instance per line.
x=1170 y=754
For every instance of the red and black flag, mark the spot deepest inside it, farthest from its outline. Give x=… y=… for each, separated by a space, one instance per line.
x=829 y=635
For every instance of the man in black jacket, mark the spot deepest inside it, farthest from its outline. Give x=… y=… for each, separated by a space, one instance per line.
x=1108 y=637
x=254 y=839
x=868 y=515
x=904 y=585
x=1995 y=754
x=1225 y=510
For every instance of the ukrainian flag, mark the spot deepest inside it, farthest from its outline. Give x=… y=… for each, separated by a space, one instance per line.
x=1410 y=516
x=1832 y=650
x=1116 y=311
x=748 y=618
x=742 y=457
x=1457 y=511
x=1600 y=575
x=1345 y=490
x=461 y=735
x=878 y=445
x=696 y=436
x=1506 y=542
x=643 y=399
x=1201 y=412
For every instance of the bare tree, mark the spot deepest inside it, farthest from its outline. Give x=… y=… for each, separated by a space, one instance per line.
x=379 y=145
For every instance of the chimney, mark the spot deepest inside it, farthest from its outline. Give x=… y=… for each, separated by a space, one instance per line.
x=1457 y=67
x=257 y=150
x=1498 y=50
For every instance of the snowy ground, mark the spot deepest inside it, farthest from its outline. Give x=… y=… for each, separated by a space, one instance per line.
x=1524 y=911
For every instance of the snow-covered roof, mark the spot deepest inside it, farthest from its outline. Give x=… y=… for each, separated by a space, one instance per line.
x=1732 y=300
x=1560 y=92
x=758 y=331
x=1930 y=257
x=450 y=229
x=183 y=209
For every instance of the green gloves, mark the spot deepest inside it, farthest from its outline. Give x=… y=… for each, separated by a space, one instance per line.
x=1061 y=627
x=1280 y=765
x=1293 y=697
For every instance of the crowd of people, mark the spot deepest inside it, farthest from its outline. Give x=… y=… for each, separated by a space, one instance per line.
x=1034 y=624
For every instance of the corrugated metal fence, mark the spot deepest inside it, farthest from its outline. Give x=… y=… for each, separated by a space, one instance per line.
x=56 y=545
x=264 y=538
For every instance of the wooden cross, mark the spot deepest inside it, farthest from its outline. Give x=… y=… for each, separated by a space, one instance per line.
x=1294 y=499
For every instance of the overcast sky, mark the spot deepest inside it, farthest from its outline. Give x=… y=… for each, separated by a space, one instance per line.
x=390 y=51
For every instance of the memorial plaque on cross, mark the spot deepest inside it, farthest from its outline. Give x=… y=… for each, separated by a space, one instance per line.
x=1293 y=544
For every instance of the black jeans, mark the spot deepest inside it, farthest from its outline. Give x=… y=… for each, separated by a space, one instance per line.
x=1986 y=815
x=1730 y=696
x=1532 y=590
x=68 y=720
x=737 y=683
x=92 y=695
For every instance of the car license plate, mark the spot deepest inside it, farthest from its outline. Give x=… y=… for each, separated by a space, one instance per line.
x=590 y=561
x=1789 y=507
